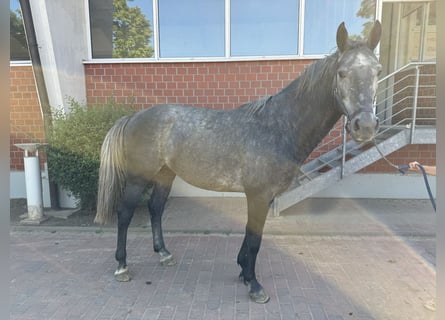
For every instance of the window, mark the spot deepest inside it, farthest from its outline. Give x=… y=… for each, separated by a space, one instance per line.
x=121 y=28
x=169 y=29
x=193 y=28
x=18 y=42
x=264 y=27
x=417 y=35
x=322 y=18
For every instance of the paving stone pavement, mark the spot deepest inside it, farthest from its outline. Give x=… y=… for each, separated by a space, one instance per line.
x=333 y=274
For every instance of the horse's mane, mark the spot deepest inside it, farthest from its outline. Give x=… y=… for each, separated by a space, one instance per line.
x=307 y=82
x=255 y=106
x=322 y=69
x=319 y=73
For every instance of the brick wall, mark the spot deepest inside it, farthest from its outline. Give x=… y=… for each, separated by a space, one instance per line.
x=424 y=153
x=218 y=85
x=26 y=124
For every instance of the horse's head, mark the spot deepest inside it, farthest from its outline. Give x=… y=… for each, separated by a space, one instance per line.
x=355 y=83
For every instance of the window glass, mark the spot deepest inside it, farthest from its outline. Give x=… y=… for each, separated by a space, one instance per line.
x=411 y=24
x=196 y=28
x=417 y=32
x=17 y=39
x=121 y=28
x=429 y=52
x=322 y=18
x=193 y=28
x=264 y=27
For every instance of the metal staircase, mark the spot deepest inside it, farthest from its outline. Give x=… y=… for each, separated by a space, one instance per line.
x=406 y=109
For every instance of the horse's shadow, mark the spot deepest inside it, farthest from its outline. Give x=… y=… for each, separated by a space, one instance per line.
x=320 y=277
x=205 y=282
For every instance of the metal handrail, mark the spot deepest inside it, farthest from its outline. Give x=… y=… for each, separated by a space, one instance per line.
x=397 y=124
x=405 y=68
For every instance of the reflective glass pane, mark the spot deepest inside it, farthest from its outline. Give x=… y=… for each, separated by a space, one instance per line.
x=322 y=18
x=17 y=39
x=429 y=52
x=264 y=27
x=411 y=24
x=121 y=28
x=193 y=28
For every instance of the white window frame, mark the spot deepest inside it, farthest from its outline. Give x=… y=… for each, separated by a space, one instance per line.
x=227 y=57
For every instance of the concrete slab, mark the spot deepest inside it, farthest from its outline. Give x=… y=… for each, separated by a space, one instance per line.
x=61 y=214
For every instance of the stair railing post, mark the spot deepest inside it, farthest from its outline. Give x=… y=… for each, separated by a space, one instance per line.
x=343 y=150
x=416 y=96
x=275 y=208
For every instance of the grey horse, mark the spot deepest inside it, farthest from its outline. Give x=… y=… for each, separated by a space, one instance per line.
x=256 y=148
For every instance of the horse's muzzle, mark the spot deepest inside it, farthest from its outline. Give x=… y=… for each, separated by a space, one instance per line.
x=364 y=126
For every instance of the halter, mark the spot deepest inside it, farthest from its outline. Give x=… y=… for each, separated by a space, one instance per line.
x=345 y=111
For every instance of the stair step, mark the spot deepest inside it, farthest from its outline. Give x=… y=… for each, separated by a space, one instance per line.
x=332 y=163
x=309 y=176
x=385 y=133
x=313 y=181
x=354 y=152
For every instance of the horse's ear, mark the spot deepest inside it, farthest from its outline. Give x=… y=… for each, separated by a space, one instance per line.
x=375 y=35
x=342 y=37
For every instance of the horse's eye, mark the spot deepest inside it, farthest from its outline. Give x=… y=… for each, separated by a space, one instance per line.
x=379 y=71
x=342 y=73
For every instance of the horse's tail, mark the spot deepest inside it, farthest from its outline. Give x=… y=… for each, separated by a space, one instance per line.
x=111 y=172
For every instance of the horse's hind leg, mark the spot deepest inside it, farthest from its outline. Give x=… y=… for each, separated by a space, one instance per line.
x=125 y=212
x=161 y=190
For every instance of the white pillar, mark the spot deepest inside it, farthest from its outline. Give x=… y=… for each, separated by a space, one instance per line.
x=33 y=181
x=33 y=188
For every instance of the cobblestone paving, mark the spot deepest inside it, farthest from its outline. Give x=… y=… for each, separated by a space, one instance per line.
x=63 y=274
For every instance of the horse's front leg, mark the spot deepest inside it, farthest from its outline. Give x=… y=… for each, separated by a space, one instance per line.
x=125 y=213
x=257 y=213
x=156 y=205
x=242 y=258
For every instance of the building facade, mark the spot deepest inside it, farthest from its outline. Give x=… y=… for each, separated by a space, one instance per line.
x=213 y=54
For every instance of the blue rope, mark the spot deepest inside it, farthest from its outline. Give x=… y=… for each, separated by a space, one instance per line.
x=403 y=170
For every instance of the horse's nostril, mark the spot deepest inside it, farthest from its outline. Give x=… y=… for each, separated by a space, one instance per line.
x=356 y=125
x=377 y=123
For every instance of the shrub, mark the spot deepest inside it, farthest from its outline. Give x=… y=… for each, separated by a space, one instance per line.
x=74 y=147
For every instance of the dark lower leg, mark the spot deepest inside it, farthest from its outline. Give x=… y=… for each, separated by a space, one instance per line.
x=257 y=212
x=158 y=238
x=256 y=291
x=124 y=219
x=156 y=205
x=124 y=215
x=121 y=251
x=156 y=228
x=242 y=258
x=253 y=242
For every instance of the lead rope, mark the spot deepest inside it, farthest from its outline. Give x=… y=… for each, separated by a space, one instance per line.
x=402 y=169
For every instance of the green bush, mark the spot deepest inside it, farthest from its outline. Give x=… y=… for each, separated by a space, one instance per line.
x=74 y=147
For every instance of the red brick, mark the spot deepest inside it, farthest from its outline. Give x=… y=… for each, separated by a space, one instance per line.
x=222 y=78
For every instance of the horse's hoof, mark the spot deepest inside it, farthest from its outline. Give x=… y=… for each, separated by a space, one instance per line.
x=259 y=296
x=168 y=260
x=122 y=275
